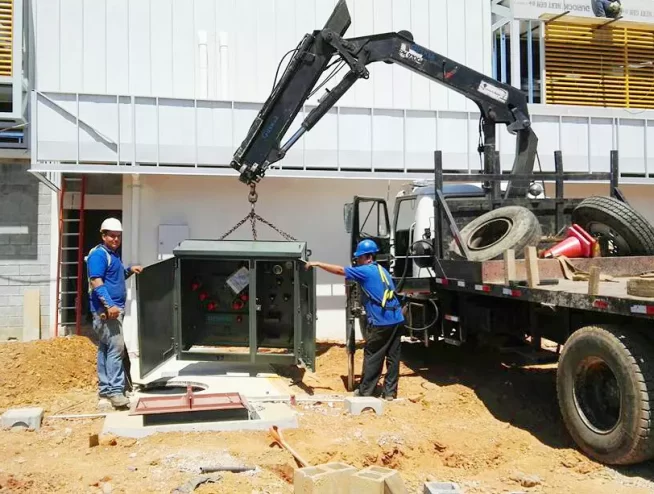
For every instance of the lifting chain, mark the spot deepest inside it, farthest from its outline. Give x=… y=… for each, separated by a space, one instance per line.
x=254 y=217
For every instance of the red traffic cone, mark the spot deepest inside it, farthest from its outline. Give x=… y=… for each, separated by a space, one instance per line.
x=578 y=243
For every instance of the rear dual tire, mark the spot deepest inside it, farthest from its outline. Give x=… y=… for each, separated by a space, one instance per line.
x=605 y=388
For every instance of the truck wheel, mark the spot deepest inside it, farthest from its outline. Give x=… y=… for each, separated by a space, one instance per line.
x=491 y=234
x=620 y=229
x=605 y=388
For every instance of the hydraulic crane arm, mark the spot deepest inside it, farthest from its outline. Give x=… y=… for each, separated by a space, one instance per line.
x=497 y=102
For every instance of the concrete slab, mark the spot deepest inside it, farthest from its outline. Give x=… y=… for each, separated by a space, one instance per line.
x=263 y=414
x=263 y=417
x=177 y=368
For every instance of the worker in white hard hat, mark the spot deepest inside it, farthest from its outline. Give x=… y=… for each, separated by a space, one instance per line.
x=108 y=291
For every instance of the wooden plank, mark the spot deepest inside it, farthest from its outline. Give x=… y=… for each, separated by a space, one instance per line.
x=31 y=314
x=594 y=281
x=531 y=257
x=510 y=271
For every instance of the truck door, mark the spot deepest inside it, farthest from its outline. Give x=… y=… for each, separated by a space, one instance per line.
x=367 y=217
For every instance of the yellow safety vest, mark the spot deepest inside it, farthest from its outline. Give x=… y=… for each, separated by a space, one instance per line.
x=389 y=294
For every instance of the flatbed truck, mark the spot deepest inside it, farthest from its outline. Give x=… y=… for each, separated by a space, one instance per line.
x=467 y=259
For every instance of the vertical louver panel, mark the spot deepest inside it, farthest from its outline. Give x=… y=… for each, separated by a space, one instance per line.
x=6 y=37
x=610 y=66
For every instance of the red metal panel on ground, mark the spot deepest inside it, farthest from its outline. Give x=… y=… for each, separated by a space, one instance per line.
x=188 y=402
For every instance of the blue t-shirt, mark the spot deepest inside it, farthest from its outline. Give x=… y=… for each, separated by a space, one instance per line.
x=368 y=277
x=112 y=274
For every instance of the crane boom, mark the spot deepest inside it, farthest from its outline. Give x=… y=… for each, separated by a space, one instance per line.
x=497 y=102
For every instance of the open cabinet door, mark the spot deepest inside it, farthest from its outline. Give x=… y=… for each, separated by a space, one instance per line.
x=307 y=344
x=157 y=314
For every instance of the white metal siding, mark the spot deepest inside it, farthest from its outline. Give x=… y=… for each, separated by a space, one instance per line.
x=202 y=133
x=171 y=48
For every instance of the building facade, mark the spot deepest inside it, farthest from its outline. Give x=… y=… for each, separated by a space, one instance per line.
x=135 y=108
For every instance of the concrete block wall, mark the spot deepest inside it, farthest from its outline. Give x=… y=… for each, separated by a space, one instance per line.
x=25 y=219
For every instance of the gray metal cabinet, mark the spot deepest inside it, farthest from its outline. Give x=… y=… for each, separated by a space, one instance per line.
x=236 y=300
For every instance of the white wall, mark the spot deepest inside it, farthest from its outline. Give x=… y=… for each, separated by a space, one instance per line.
x=171 y=48
x=309 y=210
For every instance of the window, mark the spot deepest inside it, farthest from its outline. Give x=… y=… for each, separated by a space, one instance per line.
x=372 y=219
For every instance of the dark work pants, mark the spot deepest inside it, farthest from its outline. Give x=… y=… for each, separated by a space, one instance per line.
x=383 y=344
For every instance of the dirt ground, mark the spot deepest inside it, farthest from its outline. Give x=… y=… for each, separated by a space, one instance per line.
x=473 y=419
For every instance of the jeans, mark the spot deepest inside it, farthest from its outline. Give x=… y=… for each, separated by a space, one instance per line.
x=111 y=345
x=383 y=344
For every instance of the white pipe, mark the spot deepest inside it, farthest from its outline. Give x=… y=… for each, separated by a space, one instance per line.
x=54 y=250
x=515 y=55
x=131 y=326
x=223 y=46
x=204 y=62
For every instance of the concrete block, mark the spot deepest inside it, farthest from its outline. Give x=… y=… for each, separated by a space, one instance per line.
x=357 y=404
x=330 y=478
x=9 y=270
x=377 y=480
x=441 y=488
x=31 y=269
x=23 y=417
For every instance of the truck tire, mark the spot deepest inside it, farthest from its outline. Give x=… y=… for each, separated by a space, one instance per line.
x=605 y=389
x=491 y=234
x=620 y=229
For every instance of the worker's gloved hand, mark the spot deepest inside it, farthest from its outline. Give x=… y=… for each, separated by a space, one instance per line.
x=113 y=312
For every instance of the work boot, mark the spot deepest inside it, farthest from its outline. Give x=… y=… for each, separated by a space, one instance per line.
x=118 y=401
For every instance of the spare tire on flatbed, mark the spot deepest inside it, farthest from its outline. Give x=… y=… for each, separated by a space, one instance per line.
x=605 y=388
x=488 y=236
x=620 y=229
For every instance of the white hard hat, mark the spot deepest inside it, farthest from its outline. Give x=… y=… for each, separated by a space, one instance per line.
x=111 y=225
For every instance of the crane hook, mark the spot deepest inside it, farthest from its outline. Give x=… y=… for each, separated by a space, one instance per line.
x=253 y=196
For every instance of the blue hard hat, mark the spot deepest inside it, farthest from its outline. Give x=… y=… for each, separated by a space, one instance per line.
x=366 y=246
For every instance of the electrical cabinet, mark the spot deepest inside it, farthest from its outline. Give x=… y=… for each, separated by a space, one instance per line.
x=236 y=300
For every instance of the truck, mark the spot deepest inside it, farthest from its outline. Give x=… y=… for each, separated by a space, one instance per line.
x=471 y=255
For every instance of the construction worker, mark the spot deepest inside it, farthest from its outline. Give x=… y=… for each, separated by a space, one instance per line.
x=108 y=291
x=384 y=314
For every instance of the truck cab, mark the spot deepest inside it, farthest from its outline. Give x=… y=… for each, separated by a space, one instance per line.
x=412 y=223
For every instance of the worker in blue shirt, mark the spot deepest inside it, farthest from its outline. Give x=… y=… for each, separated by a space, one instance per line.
x=607 y=8
x=108 y=293
x=384 y=314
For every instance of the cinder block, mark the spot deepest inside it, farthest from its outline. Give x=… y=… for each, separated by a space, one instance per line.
x=329 y=478
x=23 y=417
x=357 y=404
x=377 y=480
x=441 y=488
